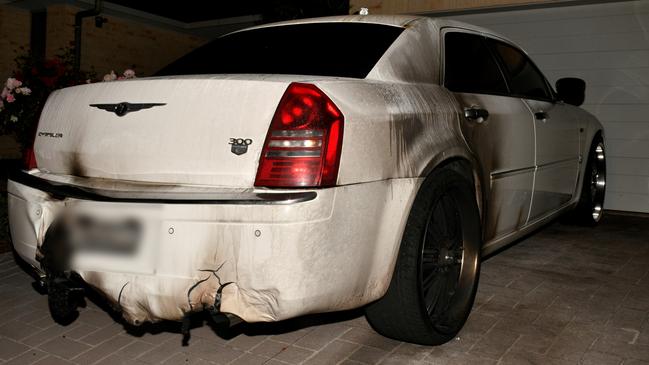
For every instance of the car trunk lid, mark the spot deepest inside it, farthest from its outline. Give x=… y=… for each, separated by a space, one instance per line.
x=203 y=130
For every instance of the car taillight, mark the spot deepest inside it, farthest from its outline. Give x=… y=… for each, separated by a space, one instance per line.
x=29 y=155
x=304 y=141
x=29 y=158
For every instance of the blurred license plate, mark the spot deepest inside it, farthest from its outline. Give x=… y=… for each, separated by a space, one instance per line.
x=89 y=234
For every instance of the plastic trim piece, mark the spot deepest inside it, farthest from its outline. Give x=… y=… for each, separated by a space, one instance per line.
x=61 y=191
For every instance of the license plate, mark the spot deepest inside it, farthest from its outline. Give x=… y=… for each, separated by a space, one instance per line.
x=120 y=236
x=114 y=237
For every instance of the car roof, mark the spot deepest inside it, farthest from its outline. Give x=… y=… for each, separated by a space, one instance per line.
x=404 y=21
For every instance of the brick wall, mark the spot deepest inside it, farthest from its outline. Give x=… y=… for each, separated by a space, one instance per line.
x=15 y=25
x=119 y=44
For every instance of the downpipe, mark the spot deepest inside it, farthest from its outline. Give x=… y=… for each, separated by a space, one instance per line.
x=78 y=22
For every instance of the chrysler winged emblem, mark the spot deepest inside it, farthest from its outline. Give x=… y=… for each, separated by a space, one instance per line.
x=121 y=109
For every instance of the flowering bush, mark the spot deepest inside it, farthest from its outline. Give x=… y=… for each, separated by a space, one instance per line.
x=15 y=108
x=24 y=94
x=112 y=76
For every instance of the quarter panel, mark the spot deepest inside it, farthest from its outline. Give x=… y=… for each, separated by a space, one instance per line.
x=394 y=130
x=413 y=57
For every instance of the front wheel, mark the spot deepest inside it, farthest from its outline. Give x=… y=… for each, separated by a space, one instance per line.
x=590 y=208
x=436 y=274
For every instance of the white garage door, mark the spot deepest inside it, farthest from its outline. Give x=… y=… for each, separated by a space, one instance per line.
x=607 y=45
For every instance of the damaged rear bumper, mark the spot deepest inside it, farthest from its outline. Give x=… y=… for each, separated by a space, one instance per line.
x=285 y=253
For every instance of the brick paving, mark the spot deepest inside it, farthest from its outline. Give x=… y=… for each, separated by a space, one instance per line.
x=565 y=295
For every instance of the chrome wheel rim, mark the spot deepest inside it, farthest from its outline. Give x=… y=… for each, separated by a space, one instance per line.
x=598 y=181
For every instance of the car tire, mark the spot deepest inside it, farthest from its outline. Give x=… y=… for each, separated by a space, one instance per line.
x=590 y=208
x=436 y=274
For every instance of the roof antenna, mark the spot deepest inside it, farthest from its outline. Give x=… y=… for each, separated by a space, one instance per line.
x=364 y=11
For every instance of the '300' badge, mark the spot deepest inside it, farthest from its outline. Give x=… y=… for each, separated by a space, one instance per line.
x=240 y=145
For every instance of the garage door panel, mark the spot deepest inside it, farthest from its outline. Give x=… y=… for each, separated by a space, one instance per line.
x=592 y=42
x=627 y=202
x=566 y=12
x=617 y=95
x=627 y=184
x=627 y=148
x=593 y=60
x=619 y=113
x=627 y=23
x=615 y=78
x=627 y=130
x=627 y=166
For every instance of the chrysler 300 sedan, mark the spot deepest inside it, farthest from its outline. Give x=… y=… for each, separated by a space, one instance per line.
x=306 y=166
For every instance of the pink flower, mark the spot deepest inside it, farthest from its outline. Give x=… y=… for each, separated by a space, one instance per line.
x=110 y=76
x=10 y=98
x=120 y=78
x=129 y=74
x=4 y=93
x=23 y=90
x=12 y=83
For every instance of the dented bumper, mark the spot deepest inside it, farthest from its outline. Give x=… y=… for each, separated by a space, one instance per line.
x=285 y=253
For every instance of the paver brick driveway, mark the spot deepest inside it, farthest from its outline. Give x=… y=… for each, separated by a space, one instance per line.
x=564 y=295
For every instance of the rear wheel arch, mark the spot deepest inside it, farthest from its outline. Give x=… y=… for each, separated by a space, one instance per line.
x=405 y=311
x=466 y=167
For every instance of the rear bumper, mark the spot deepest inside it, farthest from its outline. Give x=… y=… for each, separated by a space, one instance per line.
x=286 y=254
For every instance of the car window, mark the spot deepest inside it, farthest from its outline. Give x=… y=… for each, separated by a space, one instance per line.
x=525 y=79
x=319 y=49
x=469 y=66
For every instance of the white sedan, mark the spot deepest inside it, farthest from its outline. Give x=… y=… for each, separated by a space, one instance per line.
x=306 y=166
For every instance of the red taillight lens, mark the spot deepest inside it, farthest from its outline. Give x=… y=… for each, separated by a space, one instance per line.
x=303 y=144
x=29 y=158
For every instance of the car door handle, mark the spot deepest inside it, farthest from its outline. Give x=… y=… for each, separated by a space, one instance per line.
x=476 y=113
x=541 y=115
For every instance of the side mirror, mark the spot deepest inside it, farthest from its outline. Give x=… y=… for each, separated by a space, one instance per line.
x=571 y=90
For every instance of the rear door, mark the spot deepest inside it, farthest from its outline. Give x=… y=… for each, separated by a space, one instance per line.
x=557 y=131
x=503 y=141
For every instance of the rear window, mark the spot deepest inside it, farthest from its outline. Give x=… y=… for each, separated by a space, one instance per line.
x=319 y=49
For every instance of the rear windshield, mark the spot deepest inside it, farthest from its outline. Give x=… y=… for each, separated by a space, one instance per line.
x=320 y=49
